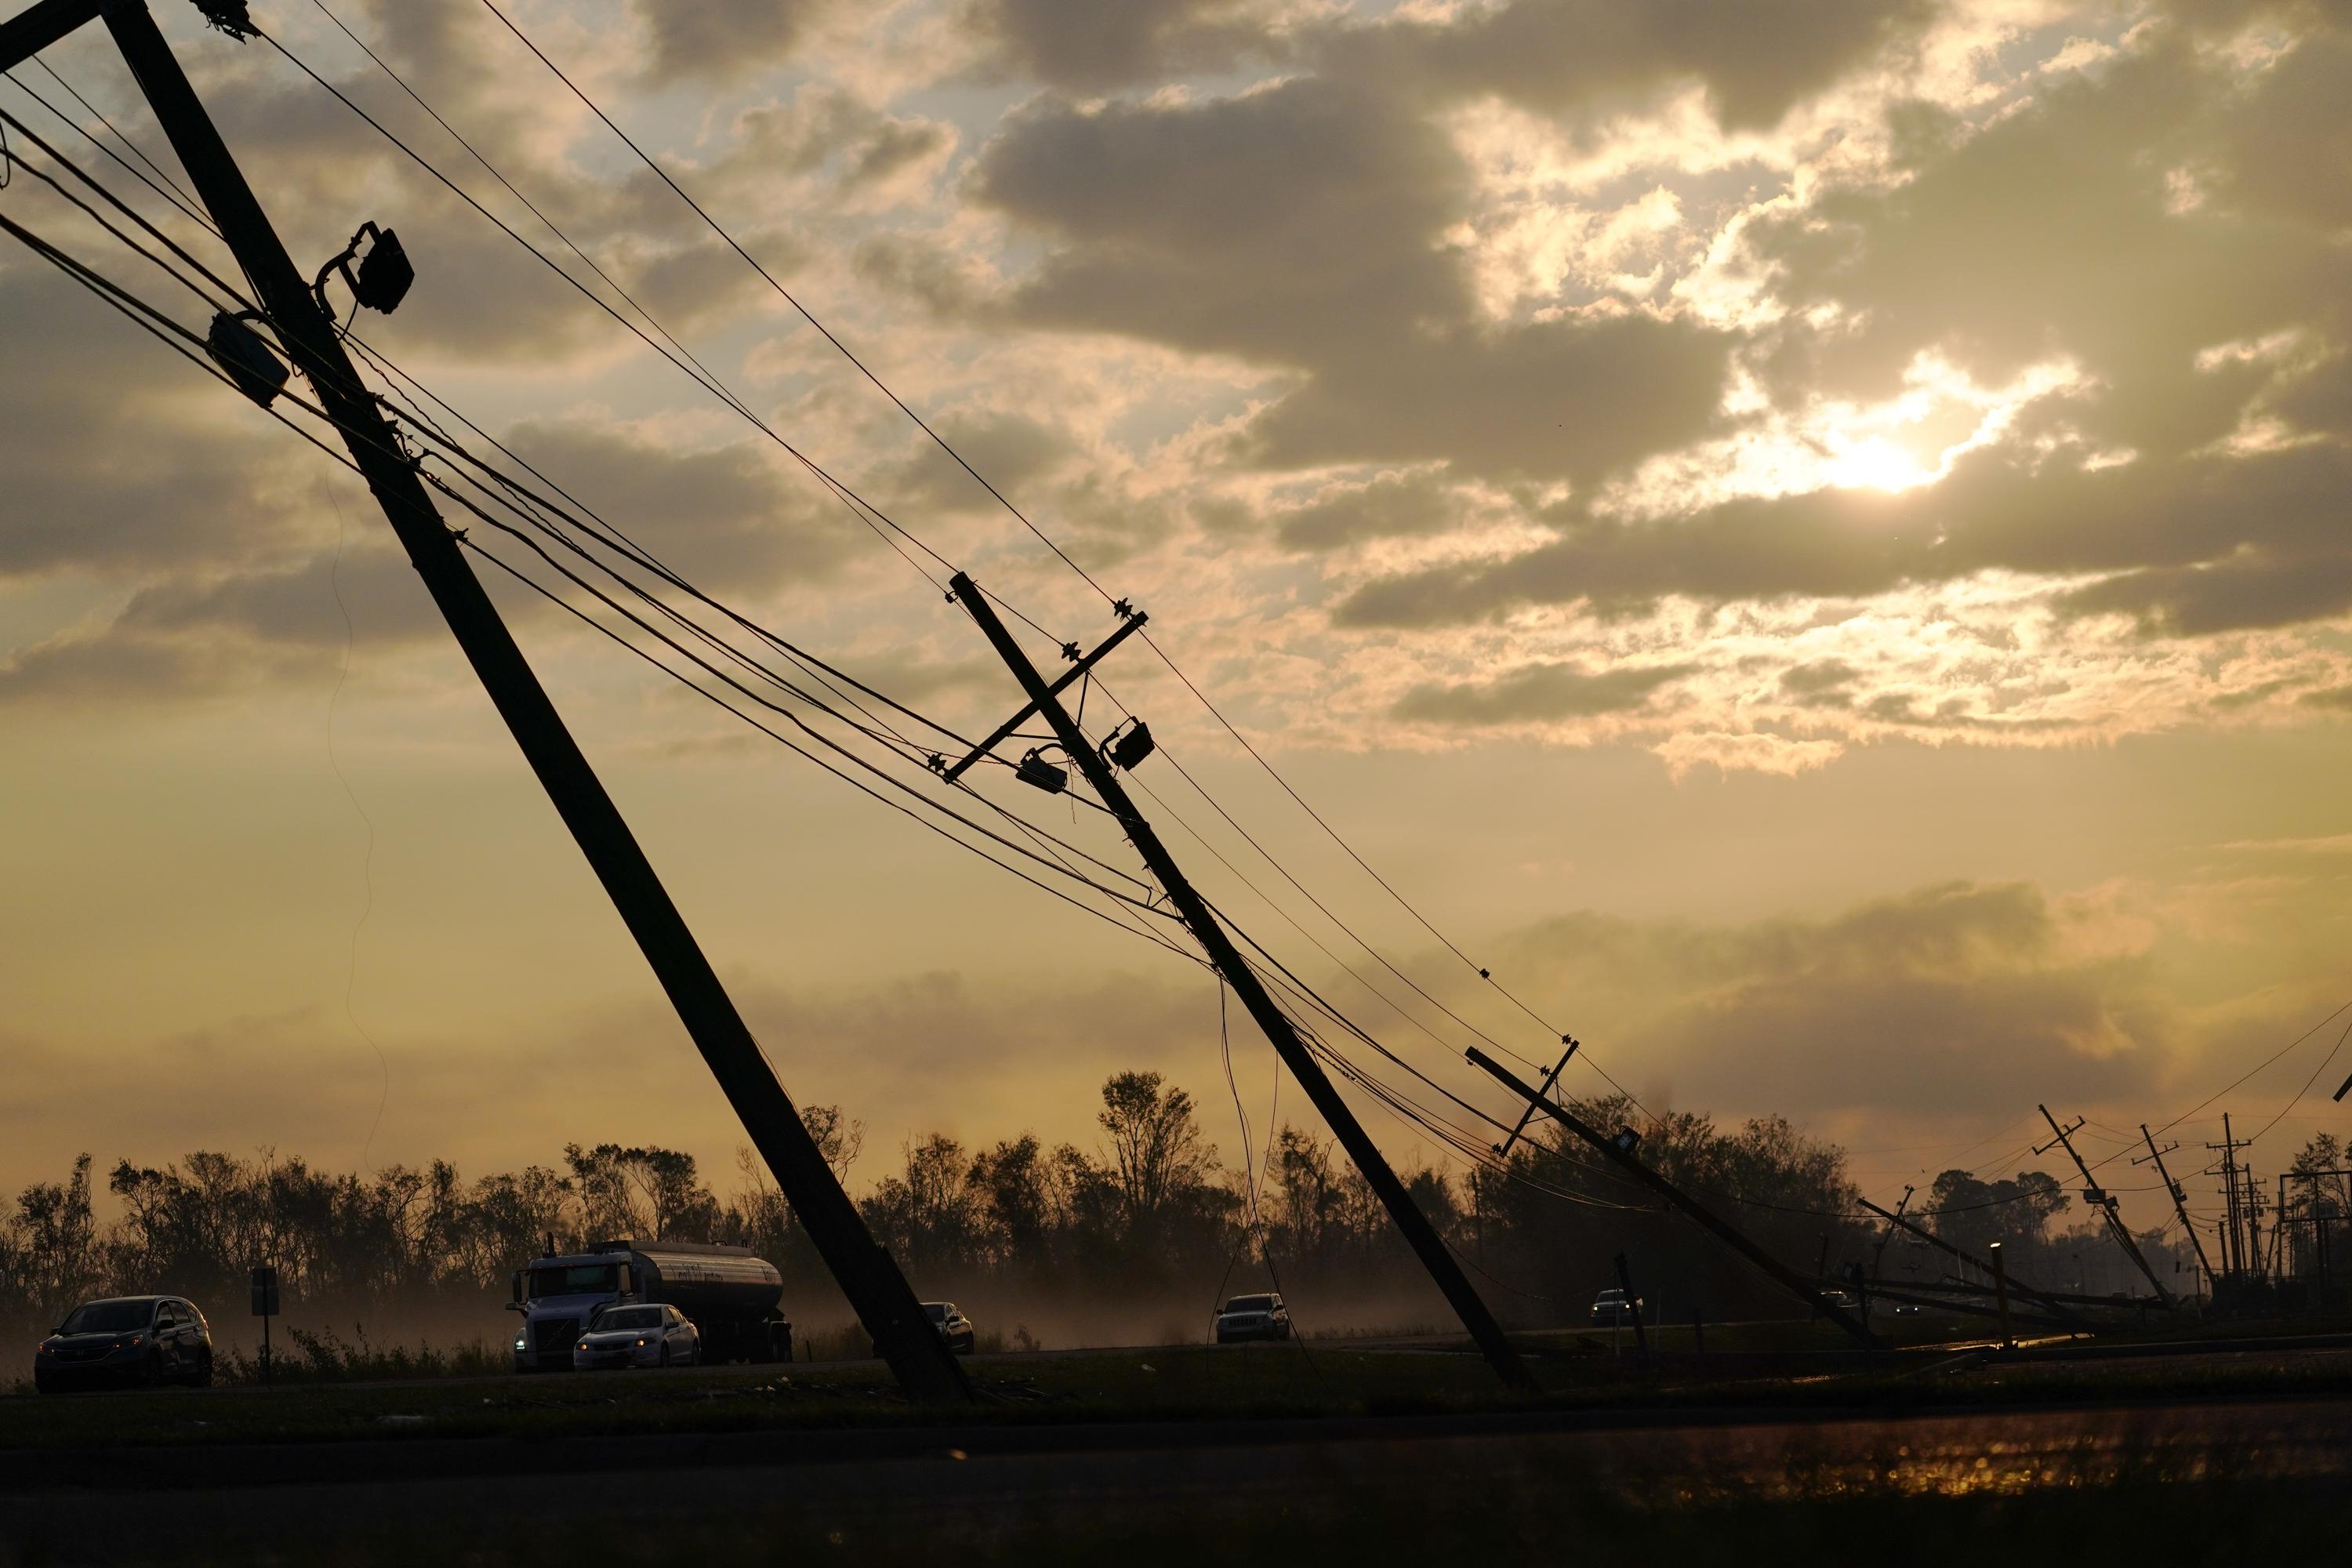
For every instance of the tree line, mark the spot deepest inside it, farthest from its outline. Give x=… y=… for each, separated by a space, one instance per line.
x=1152 y=1219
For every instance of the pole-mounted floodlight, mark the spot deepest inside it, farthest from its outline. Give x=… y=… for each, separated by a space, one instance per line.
x=385 y=274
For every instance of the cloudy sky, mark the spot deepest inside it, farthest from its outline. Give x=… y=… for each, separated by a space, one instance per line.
x=1806 y=535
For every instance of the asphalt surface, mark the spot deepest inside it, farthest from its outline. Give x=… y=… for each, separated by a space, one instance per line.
x=132 y=1507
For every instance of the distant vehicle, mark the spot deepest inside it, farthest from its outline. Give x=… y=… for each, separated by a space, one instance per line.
x=730 y=1295
x=1252 y=1318
x=951 y=1325
x=1611 y=1307
x=656 y=1334
x=1906 y=1309
x=140 y=1340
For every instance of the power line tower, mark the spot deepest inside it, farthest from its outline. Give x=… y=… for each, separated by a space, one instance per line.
x=1099 y=763
x=2180 y=1200
x=294 y=309
x=2106 y=1202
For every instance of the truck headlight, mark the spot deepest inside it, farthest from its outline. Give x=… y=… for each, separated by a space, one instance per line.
x=520 y=1345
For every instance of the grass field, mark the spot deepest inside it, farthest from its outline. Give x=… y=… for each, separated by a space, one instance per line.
x=1187 y=1383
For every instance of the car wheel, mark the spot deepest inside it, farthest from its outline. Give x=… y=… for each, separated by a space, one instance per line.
x=150 y=1375
x=665 y=1353
x=202 y=1376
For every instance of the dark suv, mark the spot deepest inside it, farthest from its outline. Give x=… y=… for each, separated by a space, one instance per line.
x=140 y=1340
x=1252 y=1318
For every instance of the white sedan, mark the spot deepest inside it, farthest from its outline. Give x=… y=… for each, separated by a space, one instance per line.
x=637 y=1336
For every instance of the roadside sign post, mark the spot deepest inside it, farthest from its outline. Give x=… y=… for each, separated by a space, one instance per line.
x=265 y=1307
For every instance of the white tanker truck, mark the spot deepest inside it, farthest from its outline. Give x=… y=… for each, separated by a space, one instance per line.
x=732 y=1295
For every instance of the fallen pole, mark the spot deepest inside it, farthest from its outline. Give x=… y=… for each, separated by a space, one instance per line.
x=1787 y=1278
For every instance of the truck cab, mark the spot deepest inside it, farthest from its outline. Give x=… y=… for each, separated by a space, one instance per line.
x=556 y=1296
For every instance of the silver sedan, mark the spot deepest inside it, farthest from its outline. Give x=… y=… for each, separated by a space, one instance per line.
x=638 y=1336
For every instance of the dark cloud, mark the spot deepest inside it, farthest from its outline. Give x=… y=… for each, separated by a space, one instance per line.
x=1950 y=997
x=1821 y=684
x=720 y=40
x=1538 y=692
x=729 y=519
x=2195 y=544
x=2096 y=223
x=120 y=457
x=1756 y=58
x=1391 y=506
x=1013 y=450
x=1086 y=46
x=365 y=593
x=1300 y=226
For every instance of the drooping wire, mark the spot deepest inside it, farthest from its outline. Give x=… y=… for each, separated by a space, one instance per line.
x=788 y=297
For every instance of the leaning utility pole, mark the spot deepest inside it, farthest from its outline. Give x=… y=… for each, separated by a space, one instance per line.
x=868 y=1276
x=2180 y=1200
x=1045 y=700
x=1983 y=1265
x=2106 y=1202
x=1620 y=1150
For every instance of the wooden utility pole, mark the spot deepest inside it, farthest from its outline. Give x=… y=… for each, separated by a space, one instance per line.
x=1879 y=1253
x=1620 y=1150
x=2179 y=1201
x=1625 y=1291
x=2000 y=1285
x=1195 y=910
x=1983 y=1264
x=2104 y=1202
x=868 y=1278
x=2233 y=1241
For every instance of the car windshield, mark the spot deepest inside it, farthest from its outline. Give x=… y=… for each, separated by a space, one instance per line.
x=1609 y=1296
x=576 y=1280
x=1250 y=1304
x=936 y=1311
x=627 y=1317
x=108 y=1317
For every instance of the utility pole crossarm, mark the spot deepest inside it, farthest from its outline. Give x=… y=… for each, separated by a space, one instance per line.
x=1551 y=1078
x=1788 y=1279
x=2106 y=1202
x=875 y=1290
x=1028 y=711
x=1418 y=1232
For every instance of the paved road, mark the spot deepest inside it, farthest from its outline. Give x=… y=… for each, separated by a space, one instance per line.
x=119 y=1509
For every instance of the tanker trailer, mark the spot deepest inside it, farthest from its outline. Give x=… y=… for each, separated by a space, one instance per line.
x=732 y=1295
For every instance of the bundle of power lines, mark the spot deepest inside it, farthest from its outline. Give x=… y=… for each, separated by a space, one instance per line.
x=530 y=529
